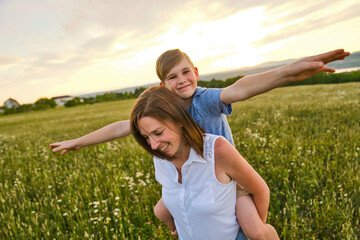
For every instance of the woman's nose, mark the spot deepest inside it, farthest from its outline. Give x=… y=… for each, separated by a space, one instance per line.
x=154 y=143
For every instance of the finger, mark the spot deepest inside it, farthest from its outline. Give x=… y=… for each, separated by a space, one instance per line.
x=57 y=148
x=63 y=152
x=335 y=57
x=329 y=56
x=312 y=66
x=53 y=145
x=328 y=69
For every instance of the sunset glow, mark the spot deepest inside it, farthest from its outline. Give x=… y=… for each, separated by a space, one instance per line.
x=58 y=48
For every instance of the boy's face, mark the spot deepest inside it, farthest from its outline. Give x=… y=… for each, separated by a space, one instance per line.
x=182 y=80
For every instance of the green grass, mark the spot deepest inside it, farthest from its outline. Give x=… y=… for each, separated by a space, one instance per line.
x=304 y=141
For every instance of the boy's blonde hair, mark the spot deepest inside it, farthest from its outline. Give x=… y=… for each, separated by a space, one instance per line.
x=168 y=60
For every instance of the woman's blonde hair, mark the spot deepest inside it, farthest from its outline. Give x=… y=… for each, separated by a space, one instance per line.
x=163 y=105
x=168 y=60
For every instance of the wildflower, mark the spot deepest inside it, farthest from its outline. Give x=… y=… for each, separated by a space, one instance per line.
x=65 y=214
x=117 y=198
x=76 y=209
x=59 y=201
x=49 y=186
x=95 y=211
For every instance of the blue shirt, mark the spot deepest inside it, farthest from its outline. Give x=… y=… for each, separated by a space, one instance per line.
x=209 y=112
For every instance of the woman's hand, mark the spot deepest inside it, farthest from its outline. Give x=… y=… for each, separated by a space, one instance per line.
x=174 y=233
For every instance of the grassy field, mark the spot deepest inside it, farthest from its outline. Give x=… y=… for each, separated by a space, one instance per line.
x=304 y=141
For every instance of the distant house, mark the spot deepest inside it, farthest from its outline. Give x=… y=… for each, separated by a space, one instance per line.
x=61 y=100
x=11 y=103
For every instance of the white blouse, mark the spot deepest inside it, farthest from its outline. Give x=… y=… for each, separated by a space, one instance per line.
x=202 y=207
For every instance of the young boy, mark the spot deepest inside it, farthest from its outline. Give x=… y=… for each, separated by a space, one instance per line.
x=207 y=107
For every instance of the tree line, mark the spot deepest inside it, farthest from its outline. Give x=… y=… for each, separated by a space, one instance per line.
x=106 y=97
x=45 y=103
x=40 y=104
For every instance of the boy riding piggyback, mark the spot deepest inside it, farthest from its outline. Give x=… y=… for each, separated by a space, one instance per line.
x=208 y=108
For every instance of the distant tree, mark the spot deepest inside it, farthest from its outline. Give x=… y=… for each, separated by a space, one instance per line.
x=73 y=102
x=232 y=80
x=9 y=110
x=138 y=91
x=44 y=103
x=107 y=97
x=89 y=100
x=25 y=108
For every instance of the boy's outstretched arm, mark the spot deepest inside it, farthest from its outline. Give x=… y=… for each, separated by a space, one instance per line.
x=253 y=85
x=110 y=132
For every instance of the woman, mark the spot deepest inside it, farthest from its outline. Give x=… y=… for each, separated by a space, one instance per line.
x=197 y=171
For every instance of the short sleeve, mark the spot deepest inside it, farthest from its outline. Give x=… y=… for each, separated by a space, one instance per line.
x=210 y=101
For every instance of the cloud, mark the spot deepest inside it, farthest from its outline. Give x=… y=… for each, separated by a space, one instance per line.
x=308 y=18
x=7 y=62
x=95 y=28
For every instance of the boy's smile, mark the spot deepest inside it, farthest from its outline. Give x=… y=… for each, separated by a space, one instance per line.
x=182 y=80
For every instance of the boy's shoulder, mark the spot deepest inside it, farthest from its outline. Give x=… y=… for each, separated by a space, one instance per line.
x=203 y=90
x=207 y=100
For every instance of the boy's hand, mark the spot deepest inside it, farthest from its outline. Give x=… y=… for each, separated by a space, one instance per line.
x=308 y=67
x=66 y=146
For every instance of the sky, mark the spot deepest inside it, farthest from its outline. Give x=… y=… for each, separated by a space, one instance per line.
x=50 y=48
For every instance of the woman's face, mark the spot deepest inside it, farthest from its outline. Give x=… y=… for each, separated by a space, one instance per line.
x=164 y=137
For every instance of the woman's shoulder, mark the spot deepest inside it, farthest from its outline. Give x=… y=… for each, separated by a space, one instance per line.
x=223 y=150
x=214 y=144
x=221 y=145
